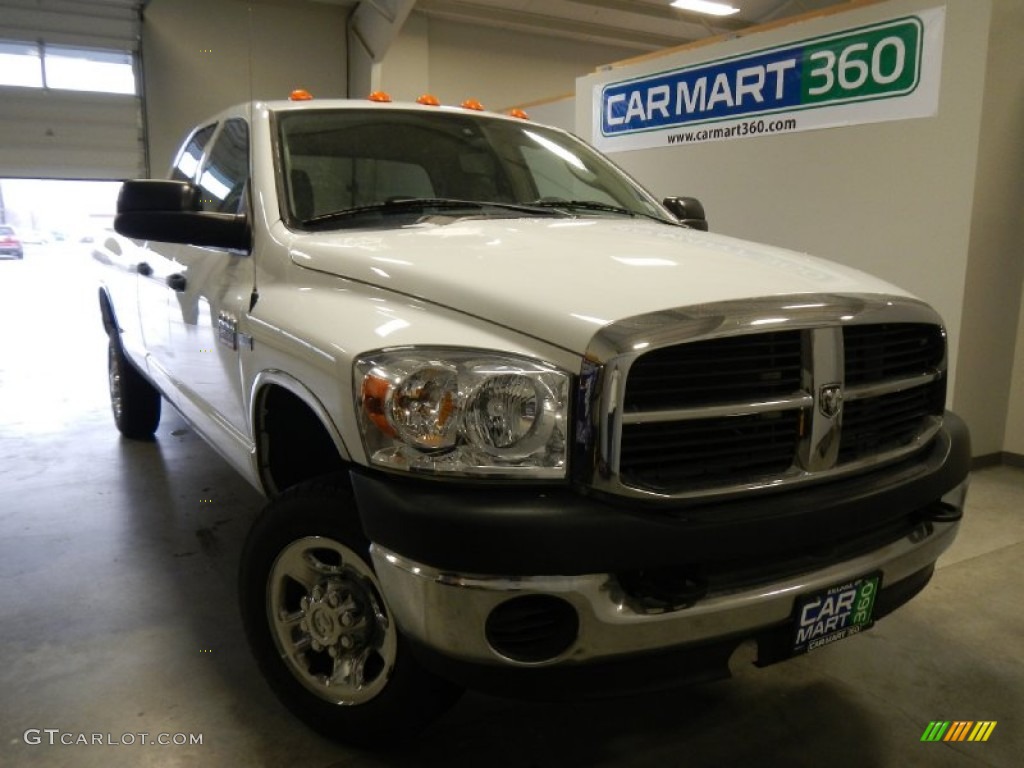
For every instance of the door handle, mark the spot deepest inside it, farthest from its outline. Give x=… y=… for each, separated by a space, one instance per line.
x=177 y=281
x=144 y=269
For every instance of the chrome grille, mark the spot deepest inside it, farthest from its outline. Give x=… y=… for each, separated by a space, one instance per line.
x=721 y=407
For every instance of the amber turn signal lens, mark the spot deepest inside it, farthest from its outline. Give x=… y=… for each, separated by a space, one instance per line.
x=375 y=396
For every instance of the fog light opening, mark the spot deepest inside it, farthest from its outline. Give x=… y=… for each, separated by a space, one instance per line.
x=532 y=628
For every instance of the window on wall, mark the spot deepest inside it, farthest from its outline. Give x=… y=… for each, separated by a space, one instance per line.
x=78 y=69
x=21 y=64
x=38 y=65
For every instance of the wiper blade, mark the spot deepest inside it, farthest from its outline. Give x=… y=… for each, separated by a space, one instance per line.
x=406 y=204
x=586 y=205
x=592 y=205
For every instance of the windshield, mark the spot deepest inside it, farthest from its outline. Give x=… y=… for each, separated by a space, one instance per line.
x=352 y=167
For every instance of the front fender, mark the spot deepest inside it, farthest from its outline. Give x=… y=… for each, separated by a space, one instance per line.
x=265 y=379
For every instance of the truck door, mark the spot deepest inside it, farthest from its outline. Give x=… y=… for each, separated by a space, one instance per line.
x=209 y=292
x=158 y=264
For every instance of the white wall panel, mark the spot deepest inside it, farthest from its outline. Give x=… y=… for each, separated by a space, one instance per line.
x=201 y=56
x=500 y=67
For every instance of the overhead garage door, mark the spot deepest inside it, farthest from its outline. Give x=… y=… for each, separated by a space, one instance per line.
x=70 y=89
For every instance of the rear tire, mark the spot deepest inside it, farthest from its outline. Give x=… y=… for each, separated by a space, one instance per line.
x=134 y=401
x=320 y=629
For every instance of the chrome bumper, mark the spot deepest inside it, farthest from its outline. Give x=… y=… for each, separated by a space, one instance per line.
x=447 y=612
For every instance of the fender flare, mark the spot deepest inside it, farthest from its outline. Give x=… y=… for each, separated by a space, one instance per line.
x=110 y=324
x=268 y=378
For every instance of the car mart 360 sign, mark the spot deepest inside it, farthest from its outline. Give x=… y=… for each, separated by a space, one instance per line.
x=886 y=71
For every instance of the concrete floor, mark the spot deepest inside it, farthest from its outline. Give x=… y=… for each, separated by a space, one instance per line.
x=117 y=616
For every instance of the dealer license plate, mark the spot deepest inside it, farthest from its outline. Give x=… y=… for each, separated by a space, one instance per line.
x=834 y=613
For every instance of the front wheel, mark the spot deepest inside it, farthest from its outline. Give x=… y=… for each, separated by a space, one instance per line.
x=319 y=626
x=134 y=401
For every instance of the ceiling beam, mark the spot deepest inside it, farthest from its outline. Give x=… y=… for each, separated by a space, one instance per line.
x=549 y=25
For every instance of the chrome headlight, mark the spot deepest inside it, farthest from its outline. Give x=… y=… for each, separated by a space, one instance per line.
x=462 y=412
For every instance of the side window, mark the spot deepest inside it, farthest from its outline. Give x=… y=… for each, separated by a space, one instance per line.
x=222 y=180
x=187 y=162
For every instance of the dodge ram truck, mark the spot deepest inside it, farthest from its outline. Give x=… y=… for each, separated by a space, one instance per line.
x=522 y=427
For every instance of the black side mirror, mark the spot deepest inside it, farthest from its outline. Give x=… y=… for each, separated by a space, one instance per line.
x=688 y=210
x=168 y=211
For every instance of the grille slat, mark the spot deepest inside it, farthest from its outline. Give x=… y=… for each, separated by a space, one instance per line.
x=884 y=423
x=661 y=456
x=889 y=351
x=748 y=367
x=722 y=451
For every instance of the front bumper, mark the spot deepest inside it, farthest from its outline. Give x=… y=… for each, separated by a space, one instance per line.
x=759 y=556
x=448 y=611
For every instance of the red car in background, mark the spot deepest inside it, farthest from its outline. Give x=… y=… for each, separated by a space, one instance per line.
x=10 y=245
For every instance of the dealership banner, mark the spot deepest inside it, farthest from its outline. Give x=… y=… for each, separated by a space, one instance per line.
x=884 y=71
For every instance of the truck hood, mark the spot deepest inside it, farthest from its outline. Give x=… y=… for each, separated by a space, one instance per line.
x=560 y=280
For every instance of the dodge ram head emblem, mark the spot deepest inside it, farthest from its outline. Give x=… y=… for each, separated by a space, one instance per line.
x=830 y=400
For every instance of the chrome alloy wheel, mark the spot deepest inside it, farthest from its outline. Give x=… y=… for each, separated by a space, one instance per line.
x=329 y=621
x=114 y=379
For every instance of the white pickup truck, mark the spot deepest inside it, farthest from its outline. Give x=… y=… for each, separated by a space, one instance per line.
x=522 y=427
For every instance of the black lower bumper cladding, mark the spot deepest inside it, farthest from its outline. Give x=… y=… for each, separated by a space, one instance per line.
x=557 y=529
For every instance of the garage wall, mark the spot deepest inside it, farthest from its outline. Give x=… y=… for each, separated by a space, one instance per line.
x=896 y=199
x=200 y=56
x=996 y=241
x=560 y=113
x=501 y=68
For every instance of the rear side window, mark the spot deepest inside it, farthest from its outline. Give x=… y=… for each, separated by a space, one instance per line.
x=223 y=177
x=187 y=162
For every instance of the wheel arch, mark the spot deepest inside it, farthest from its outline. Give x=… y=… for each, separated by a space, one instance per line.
x=296 y=439
x=110 y=325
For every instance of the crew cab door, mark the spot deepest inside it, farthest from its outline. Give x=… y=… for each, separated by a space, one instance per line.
x=209 y=295
x=159 y=262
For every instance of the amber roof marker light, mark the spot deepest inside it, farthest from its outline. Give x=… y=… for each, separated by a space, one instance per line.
x=516 y=112
x=472 y=104
x=300 y=94
x=381 y=97
x=428 y=100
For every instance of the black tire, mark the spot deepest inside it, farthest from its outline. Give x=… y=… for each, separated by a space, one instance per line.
x=313 y=531
x=134 y=401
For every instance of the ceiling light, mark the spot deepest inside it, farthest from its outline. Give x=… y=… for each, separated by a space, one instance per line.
x=704 y=6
